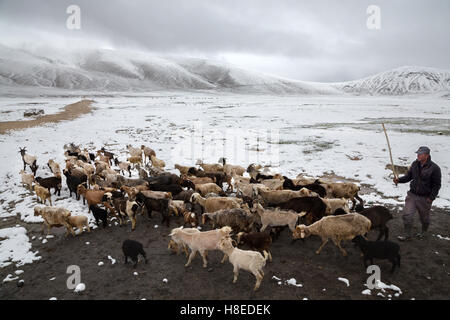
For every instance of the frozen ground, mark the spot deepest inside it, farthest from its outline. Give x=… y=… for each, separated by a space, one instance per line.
x=333 y=135
x=311 y=135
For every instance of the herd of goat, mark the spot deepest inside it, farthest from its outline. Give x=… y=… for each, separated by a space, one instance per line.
x=253 y=201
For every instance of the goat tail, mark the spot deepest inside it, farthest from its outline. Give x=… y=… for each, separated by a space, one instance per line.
x=266 y=255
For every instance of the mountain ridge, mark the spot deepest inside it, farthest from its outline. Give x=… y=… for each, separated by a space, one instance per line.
x=131 y=71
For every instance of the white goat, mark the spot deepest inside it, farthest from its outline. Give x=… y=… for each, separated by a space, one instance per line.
x=249 y=260
x=201 y=241
x=277 y=218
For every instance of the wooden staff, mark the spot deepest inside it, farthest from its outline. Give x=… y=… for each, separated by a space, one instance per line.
x=390 y=153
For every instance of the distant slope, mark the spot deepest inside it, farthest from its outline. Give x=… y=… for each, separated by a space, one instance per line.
x=103 y=70
x=110 y=70
x=400 y=81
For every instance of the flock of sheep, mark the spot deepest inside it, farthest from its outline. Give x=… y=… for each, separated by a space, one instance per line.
x=253 y=210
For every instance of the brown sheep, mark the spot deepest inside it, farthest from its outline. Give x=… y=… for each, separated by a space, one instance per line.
x=42 y=194
x=78 y=222
x=91 y=196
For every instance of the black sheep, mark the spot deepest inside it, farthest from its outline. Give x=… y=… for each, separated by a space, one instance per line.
x=172 y=188
x=314 y=207
x=99 y=214
x=378 y=216
x=73 y=182
x=132 y=249
x=161 y=205
x=315 y=187
x=379 y=249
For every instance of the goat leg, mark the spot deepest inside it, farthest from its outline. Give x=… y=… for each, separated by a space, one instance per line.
x=324 y=241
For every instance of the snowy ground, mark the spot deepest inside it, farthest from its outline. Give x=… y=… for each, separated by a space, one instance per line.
x=310 y=135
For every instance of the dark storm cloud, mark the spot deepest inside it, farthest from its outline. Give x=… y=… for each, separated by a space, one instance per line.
x=308 y=40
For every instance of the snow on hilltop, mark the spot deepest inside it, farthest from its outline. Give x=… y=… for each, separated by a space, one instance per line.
x=113 y=70
x=400 y=81
x=122 y=71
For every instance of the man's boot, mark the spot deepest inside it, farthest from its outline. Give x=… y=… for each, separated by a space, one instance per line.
x=423 y=234
x=407 y=234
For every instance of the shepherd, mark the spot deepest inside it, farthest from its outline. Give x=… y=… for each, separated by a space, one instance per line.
x=425 y=177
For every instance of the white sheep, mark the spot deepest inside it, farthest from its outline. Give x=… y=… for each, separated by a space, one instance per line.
x=148 y=152
x=336 y=228
x=333 y=204
x=42 y=194
x=201 y=241
x=216 y=203
x=54 y=217
x=206 y=188
x=176 y=242
x=183 y=169
x=280 y=196
x=214 y=167
x=134 y=152
x=54 y=167
x=277 y=218
x=249 y=260
x=78 y=222
x=27 y=179
x=157 y=162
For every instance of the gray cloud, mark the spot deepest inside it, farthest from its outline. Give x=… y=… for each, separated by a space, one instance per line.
x=306 y=40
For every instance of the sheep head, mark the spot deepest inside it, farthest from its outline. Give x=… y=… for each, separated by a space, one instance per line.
x=301 y=232
x=195 y=197
x=37 y=211
x=225 y=243
x=226 y=230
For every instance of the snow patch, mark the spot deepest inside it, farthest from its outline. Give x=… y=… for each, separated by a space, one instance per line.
x=345 y=281
x=15 y=247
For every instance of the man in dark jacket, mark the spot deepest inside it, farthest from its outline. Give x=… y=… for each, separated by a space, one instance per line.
x=425 y=177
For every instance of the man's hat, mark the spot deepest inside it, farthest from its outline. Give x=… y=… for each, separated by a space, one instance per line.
x=423 y=150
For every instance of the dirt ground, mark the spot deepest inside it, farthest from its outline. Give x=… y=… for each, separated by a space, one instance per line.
x=70 y=112
x=424 y=271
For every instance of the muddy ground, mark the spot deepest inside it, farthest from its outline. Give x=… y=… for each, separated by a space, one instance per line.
x=70 y=112
x=424 y=272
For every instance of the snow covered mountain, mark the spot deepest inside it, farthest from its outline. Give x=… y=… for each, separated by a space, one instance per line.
x=400 y=81
x=111 y=70
x=103 y=70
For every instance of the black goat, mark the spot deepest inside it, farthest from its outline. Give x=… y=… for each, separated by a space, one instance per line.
x=379 y=249
x=315 y=187
x=173 y=188
x=378 y=216
x=314 y=207
x=99 y=214
x=50 y=182
x=132 y=249
x=73 y=182
x=161 y=205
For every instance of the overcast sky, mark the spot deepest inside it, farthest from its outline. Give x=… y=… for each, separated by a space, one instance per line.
x=306 y=40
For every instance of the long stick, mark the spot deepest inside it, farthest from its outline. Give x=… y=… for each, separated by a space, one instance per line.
x=390 y=152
